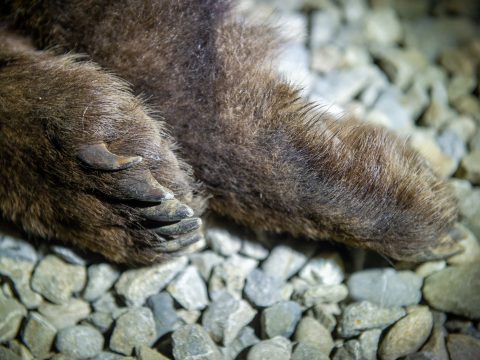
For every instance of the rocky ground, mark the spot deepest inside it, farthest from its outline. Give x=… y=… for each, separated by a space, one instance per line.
x=412 y=66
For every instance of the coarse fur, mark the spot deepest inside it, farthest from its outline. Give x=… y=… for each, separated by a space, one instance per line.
x=263 y=155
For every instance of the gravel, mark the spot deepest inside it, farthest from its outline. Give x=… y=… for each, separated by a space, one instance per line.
x=410 y=66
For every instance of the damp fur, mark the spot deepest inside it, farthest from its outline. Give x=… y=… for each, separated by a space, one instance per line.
x=262 y=154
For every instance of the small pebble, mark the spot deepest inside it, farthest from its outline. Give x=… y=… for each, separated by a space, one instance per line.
x=358 y=317
x=350 y=349
x=245 y=338
x=79 y=341
x=308 y=352
x=69 y=255
x=205 y=261
x=463 y=347
x=11 y=315
x=277 y=348
x=145 y=353
x=163 y=312
x=225 y=317
x=369 y=343
x=56 y=280
x=471 y=167
x=17 y=249
x=309 y=331
x=455 y=289
x=263 y=289
x=253 y=249
x=222 y=241
x=191 y=342
x=324 y=294
x=325 y=269
x=134 y=328
x=280 y=319
x=38 y=335
x=67 y=314
x=138 y=284
x=407 y=335
x=189 y=289
x=283 y=262
x=386 y=287
x=101 y=277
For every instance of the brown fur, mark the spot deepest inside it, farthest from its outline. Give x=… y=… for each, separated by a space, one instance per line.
x=268 y=158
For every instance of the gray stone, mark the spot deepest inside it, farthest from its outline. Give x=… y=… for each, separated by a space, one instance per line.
x=386 y=287
x=284 y=262
x=416 y=99
x=245 y=338
x=408 y=334
x=19 y=349
x=358 y=317
x=382 y=26
x=430 y=267
x=350 y=350
x=101 y=277
x=38 y=335
x=102 y=321
x=188 y=316
x=455 y=289
x=253 y=249
x=308 y=352
x=7 y=354
x=222 y=241
x=135 y=327
x=19 y=272
x=471 y=167
x=65 y=315
x=163 y=312
x=230 y=276
x=389 y=103
x=325 y=59
x=262 y=289
x=320 y=312
x=324 y=269
x=107 y=355
x=17 y=249
x=225 y=317
x=138 y=284
x=281 y=319
x=277 y=348
x=145 y=353
x=56 y=280
x=79 y=341
x=470 y=244
x=435 y=346
x=452 y=145
x=189 y=289
x=69 y=255
x=11 y=315
x=324 y=25
x=107 y=303
x=205 y=262
x=324 y=294
x=311 y=332
x=369 y=343
x=463 y=347
x=191 y=342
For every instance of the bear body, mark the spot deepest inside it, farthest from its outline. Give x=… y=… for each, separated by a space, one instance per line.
x=85 y=160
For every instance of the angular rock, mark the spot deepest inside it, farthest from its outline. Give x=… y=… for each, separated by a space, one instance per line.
x=309 y=331
x=189 y=289
x=471 y=167
x=225 y=317
x=230 y=276
x=463 y=347
x=101 y=277
x=72 y=256
x=277 y=348
x=223 y=242
x=324 y=316
x=38 y=335
x=107 y=355
x=188 y=317
x=358 y=317
x=308 y=352
x=138 y=284
x=205 y=262
x=408 y=334
x=7 y=354
x=191 y=342
x=11 y=315
x=245 y=338
x=65 y=315
x=19 y=272
x=455 y=290
x=262 y=289
x=17 y=249
x=80 y=341
x=108 y=303
x=103 y=321
x=145 y=353
x=283 y=262
x=280 y=319
x=324 y=269
x=56 y=280
x=135 y=327
x=386 y=287
x=253 y=249
x=163 y=312
x=369 y=343
x=471 y=246
x=349 y=350
x=383 y=26
x=324 y=294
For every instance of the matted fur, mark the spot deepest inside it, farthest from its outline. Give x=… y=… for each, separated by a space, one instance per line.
x=267 y=158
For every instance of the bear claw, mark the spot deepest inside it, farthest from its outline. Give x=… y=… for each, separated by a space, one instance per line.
x=99 y=157
x=182 y=227
x=167 y=211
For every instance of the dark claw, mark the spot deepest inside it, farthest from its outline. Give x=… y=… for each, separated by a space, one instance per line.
x=182 y=227
x=169 y=210
x=145 y=188
x=99 y=157
x=178 y=243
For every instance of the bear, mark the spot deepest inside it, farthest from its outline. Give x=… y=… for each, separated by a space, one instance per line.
x=121 y=122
